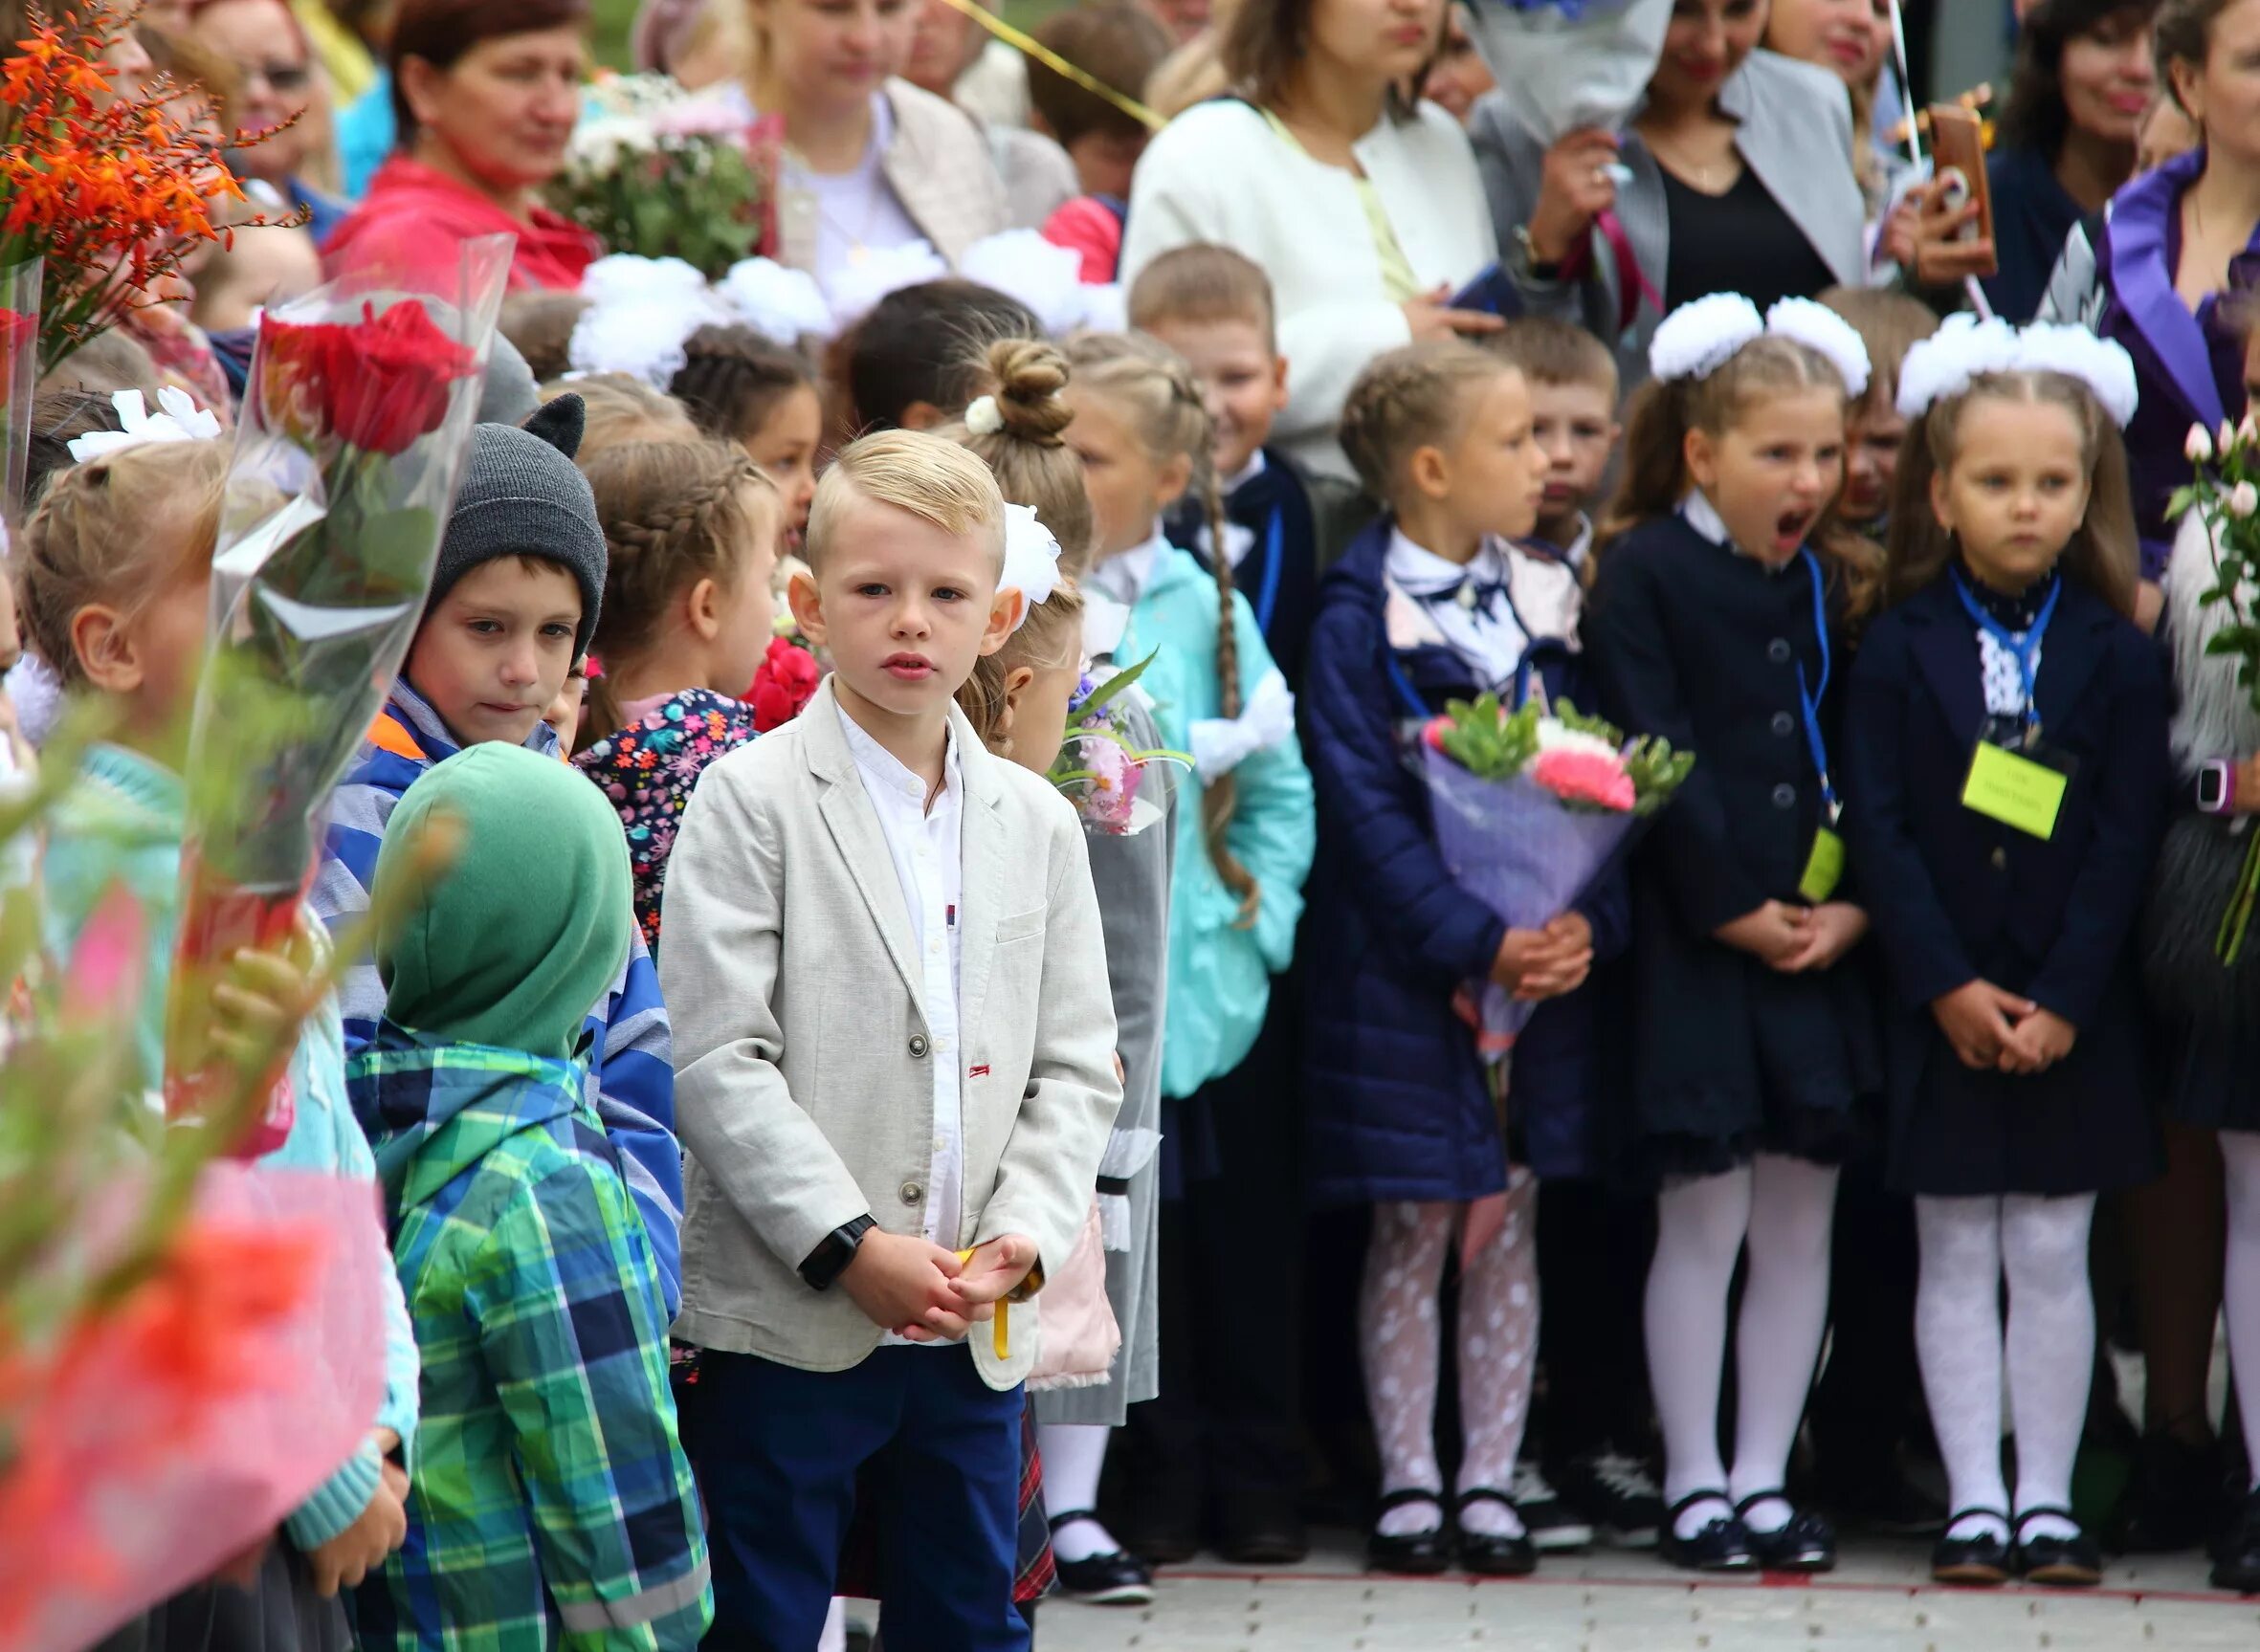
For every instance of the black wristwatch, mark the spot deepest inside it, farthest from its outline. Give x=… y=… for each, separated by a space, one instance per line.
x=830 y=1259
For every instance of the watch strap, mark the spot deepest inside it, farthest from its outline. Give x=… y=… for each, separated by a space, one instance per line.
x=831 y=1258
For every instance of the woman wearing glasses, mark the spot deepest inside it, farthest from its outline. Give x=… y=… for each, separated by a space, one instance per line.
x=279 y=92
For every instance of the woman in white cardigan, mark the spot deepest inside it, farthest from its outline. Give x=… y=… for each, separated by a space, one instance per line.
x=1366 y=211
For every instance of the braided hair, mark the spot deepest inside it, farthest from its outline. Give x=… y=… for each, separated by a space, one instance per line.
x=1408 y=399
x=731 y=379
x=1162 y=401
x=674 y=513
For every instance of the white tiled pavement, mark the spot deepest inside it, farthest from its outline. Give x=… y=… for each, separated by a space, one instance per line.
x=1880 y=1600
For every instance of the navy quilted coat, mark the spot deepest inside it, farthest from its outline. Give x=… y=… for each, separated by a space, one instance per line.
x=1399 y=1105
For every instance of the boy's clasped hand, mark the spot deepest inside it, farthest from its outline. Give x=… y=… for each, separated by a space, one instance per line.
x=920 y=1292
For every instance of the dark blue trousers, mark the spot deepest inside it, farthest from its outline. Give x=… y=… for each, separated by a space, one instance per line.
x=777 y=1452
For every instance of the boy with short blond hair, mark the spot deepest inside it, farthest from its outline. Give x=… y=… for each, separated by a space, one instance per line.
x=894 y=1035
x=1214 y=307
x=1573 y=403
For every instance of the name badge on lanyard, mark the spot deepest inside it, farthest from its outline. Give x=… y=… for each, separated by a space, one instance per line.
x=2013 y=777
x=1824 y=866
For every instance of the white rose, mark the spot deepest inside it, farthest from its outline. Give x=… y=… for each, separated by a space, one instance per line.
x=2199 y=447
x=2243 y=500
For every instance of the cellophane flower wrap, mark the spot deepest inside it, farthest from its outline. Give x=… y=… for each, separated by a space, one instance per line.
x=188 y=1346
x=353 y=438
x=19 y=379
x=1117 y=782
x=658 y=172
x=1568 y=64
x=1530 y=808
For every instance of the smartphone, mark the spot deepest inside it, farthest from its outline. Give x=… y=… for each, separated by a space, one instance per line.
x=1957 y=151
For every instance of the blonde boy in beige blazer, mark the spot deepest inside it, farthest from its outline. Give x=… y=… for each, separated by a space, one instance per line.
x=894 y=1039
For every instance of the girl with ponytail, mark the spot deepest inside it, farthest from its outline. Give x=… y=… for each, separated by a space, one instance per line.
x=1142 y=432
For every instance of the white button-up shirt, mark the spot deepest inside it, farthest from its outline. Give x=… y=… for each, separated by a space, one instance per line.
x=927 y=848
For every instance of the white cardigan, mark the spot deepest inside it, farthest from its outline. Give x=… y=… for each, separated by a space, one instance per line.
x=1219 y=172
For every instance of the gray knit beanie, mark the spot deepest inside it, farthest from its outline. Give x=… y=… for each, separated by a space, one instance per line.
x=522 y=496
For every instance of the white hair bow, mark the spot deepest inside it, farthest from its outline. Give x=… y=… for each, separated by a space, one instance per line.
x=1031 y=560
x=181 y=420
x=1697 y=339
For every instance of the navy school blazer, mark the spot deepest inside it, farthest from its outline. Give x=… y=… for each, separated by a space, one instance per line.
x=1398 y=1104
x=1957 y=895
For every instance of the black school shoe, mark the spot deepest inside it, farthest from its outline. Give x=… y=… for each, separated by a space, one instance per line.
x=1980 y=1560
x=1615 y=1495
x=1807 y=1543
x=2236 y=1560
x=2174 y=1501
x=1111 y=1580
x=2074 y=1562
x=1491 y=1554
x=1554 y=1527
x=1416 y=1554
x=1723 y=1545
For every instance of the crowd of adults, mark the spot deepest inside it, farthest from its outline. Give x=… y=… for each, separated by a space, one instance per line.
x=1355 y=151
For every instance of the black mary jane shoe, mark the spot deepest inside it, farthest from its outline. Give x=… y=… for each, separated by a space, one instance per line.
x=1982 y=1560
x=1807 y=1543
x=1416 y=1554
x=2074 y=1562
x=1113 y=1580
x=1723 y=1545
x=2236 y=1557
x=1492 y=1554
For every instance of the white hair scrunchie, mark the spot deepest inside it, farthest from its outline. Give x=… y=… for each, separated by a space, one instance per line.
x=181 y=420
x=1827 y=335
x=1697 y=339
x=1032 y=559
x=1965 y=349
x=984 y=417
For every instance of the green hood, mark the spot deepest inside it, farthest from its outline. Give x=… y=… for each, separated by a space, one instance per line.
x=524 y=930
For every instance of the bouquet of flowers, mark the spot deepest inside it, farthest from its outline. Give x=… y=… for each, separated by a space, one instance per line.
x=1568 y=64
x=187 y=1347
x=1102 y=766
x=354 y=433
x=656 y=172
x=786 y=680
x=2226 y=496
x=110 y=187
x=19 y=379
x=1530 y=807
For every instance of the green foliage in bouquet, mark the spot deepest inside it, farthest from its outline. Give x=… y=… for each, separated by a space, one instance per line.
x=1494 y=744
x=654 y=172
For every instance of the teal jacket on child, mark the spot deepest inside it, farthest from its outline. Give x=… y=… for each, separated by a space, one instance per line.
x=1219 y=973
x=123 y=824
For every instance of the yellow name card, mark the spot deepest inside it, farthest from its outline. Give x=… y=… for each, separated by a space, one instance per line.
x=2015 y=791
x=1824 y=870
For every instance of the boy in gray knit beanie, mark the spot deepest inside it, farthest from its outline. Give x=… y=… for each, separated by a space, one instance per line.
x=520 y=576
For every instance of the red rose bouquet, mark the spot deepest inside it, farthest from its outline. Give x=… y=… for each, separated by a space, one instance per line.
x=352 y=441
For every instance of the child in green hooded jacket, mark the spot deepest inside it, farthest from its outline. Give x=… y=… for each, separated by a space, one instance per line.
x=551 y=1504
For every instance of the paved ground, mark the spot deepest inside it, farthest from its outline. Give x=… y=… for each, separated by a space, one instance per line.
x=1880 y=1600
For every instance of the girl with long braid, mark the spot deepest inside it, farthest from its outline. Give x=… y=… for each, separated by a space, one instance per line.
x=1142 y=432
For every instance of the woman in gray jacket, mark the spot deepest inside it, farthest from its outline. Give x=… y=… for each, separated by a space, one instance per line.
x=1740 y=181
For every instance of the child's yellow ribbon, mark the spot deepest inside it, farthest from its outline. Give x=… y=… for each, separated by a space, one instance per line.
x=1000 y=1334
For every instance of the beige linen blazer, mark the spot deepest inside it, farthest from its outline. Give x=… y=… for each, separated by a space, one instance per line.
x=804 y=1097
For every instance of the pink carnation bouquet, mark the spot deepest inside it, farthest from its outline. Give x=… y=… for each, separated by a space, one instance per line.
x=1530 y=807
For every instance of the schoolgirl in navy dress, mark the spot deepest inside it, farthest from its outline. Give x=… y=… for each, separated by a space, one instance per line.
x=2007 y=742
x=1718 y=620
x=1433 y=603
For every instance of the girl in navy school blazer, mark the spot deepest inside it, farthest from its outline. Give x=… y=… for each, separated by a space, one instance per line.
x=2013 y=1043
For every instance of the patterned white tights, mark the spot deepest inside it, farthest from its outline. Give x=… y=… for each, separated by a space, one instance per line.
x=1397 y=1321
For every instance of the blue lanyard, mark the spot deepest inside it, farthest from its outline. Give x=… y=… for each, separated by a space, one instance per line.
x=1266 y=600
x=1808 y=699
x=2025 y=653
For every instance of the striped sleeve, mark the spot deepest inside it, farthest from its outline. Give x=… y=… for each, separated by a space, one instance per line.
x=339 y=897
x=634 y=1080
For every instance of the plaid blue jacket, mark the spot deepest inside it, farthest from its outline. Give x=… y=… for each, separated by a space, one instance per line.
x=633 y=1071
x=550 y=1503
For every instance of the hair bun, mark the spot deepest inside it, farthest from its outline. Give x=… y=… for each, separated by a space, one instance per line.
x=1030 y=375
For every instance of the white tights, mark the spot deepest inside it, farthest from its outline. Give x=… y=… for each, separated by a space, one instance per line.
x=1397 y=1319
x=2042 y=1245
x=2240 y=1284
x=1784 y=1208
x=1075 y=1456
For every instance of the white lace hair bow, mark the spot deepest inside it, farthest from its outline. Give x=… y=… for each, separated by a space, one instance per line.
x=1965 y=349
x=784 y=305
x=641 y=314
x=1222 y=744
x=181 y=420
x=1031 y=560
x=1697 y=339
